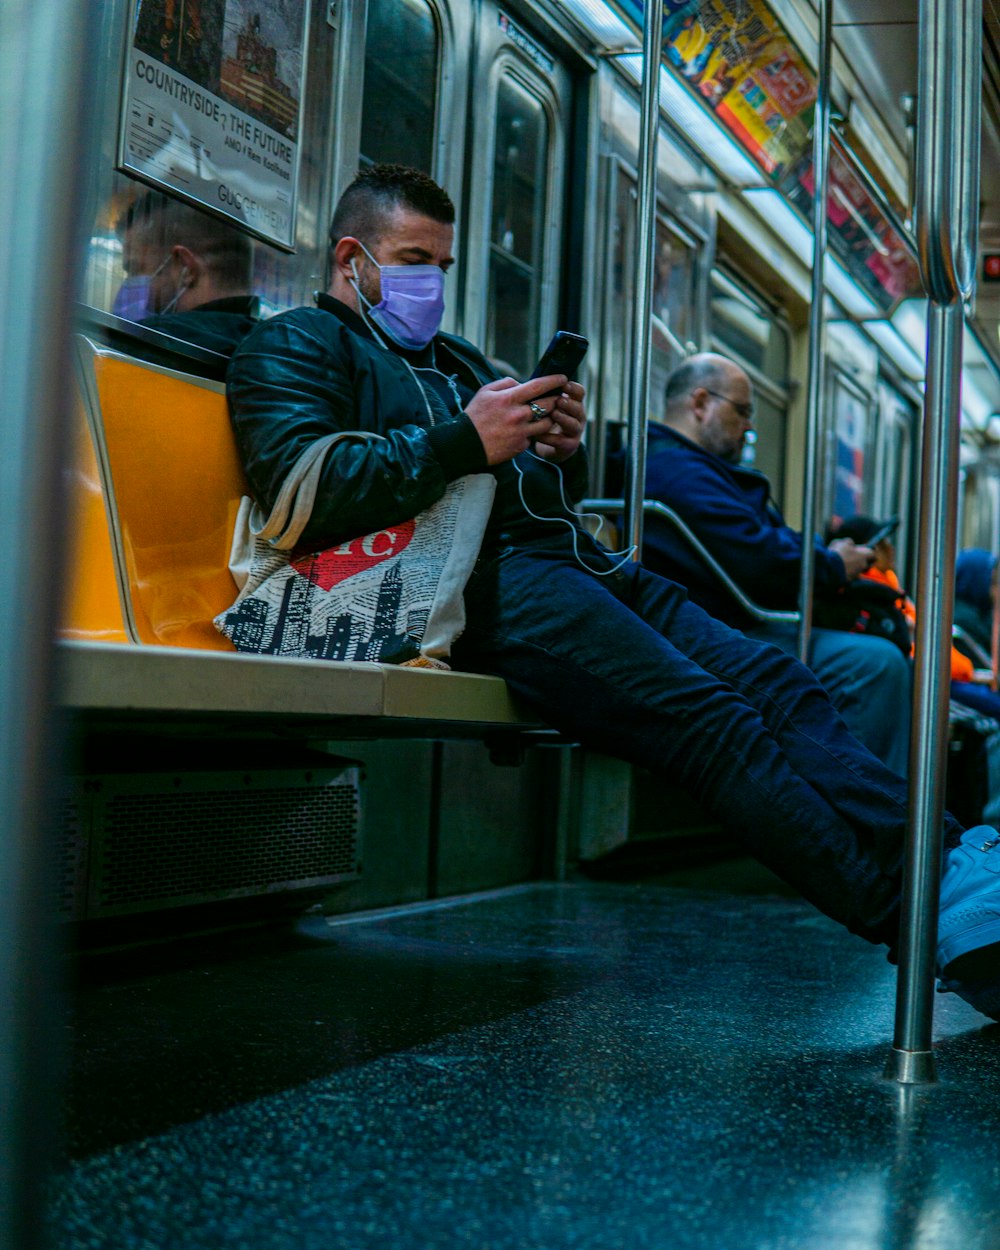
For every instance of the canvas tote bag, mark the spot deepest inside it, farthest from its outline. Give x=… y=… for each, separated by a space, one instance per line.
x=390 y=597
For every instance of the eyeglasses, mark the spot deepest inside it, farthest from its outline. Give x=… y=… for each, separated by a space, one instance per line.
x=744 y=410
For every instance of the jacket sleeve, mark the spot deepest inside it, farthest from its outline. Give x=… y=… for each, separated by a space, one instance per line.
x=288 y=386
x=760 y=552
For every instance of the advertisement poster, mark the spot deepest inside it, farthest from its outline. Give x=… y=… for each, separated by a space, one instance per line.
x=739 y=59
x=860 y=233
x=211 y=106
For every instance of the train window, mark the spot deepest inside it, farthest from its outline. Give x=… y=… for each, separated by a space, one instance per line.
x=849 y=408
x=673 y=299
x=616 y=376
x=398 y=107
x=520 y=184
x=757 y=336
x=130 y=221
x=890 y=485
x=748 y=328
x=159 y=260
x=980 y=515
x=673 y=309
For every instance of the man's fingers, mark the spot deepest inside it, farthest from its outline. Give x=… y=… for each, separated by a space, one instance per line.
x=534 y=388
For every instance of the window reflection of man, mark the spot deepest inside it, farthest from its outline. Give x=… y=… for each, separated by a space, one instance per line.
x=187 y=274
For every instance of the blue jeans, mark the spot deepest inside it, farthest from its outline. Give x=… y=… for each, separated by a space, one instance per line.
x=869 y=682
x=626 y=664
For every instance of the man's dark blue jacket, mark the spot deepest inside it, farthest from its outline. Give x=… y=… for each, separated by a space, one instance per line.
x=730 y=510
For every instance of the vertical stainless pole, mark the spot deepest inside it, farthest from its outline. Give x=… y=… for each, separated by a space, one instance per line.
x=817 y=323
x=635 y=480
x=947 y=223
x=42 y=62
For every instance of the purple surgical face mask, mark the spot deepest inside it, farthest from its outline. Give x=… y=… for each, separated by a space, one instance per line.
x=412 y=302
x=134 y=298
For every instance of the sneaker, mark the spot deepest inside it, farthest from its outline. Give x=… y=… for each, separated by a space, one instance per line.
x=969 y=925
x=983 y=995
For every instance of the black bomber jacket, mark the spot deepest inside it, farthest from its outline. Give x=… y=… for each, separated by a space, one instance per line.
x=315 y=371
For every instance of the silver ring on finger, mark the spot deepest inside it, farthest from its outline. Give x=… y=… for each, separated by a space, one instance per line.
x=538 y=410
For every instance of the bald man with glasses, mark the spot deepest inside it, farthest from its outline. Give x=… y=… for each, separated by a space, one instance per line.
x=694 y=466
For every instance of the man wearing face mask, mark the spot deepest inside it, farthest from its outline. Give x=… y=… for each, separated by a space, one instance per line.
x=188 y=274
x=602 y=649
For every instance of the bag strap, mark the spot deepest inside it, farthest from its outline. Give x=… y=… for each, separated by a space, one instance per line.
x=294 y=504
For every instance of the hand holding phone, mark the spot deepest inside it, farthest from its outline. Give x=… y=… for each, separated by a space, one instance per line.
x=890 y=527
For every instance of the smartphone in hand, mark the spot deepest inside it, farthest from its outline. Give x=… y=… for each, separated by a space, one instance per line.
x=564 y=354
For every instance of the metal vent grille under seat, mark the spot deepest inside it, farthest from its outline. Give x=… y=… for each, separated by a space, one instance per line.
x=69 y=874
x=171 y=839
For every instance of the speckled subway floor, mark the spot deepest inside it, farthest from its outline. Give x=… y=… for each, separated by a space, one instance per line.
x=589 y=1066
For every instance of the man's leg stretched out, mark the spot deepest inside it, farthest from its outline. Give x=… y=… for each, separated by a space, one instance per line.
x=629 y=665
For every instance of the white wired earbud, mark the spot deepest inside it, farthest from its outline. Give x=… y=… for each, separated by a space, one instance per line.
x=561 y=520
x=626 y=555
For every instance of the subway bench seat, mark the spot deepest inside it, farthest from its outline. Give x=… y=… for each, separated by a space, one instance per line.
x=154 y=487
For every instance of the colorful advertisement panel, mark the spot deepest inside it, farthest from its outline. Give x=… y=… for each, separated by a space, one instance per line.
x=211 y=106
x=739 y=59
x=860 y=234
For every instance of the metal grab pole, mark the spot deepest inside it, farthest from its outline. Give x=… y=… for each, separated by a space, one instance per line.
x=821 y=156
x=43 y=64
x=635 y=479
x=947 y=209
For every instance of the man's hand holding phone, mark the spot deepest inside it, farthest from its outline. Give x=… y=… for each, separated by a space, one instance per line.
x=564 y=355
x=546 y=411
x=508 y=415
x=569 y=420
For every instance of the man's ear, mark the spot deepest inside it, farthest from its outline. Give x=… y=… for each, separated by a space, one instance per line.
x=348 y=248
x=699 y=402
x=188 y=266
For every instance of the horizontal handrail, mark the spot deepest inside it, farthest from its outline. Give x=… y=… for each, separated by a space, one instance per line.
x=610 y=507
x=970 y=648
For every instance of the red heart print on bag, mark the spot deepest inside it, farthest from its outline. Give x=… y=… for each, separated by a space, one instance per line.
x=336 y=564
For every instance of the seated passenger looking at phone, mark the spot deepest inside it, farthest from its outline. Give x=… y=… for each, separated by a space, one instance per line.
x=602 y=649
x=693 y=466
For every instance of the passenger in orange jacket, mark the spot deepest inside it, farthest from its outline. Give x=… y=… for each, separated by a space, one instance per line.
x=861 y=529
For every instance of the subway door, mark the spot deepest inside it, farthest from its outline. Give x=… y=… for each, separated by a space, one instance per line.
x=519 y=120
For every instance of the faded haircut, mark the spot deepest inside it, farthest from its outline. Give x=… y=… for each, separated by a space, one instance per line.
x=369 y=202
x=704 y=370
x=166 y=222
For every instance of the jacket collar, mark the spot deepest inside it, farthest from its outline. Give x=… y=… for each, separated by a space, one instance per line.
x=660 y=437
x=446 y=345
x=353 y=320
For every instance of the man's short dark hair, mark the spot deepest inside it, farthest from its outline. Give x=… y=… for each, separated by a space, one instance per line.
x=696 y=371
x=366 y=206
x=166 y=222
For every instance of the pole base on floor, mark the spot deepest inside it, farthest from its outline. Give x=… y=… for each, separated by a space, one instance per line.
x=910 y=1067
